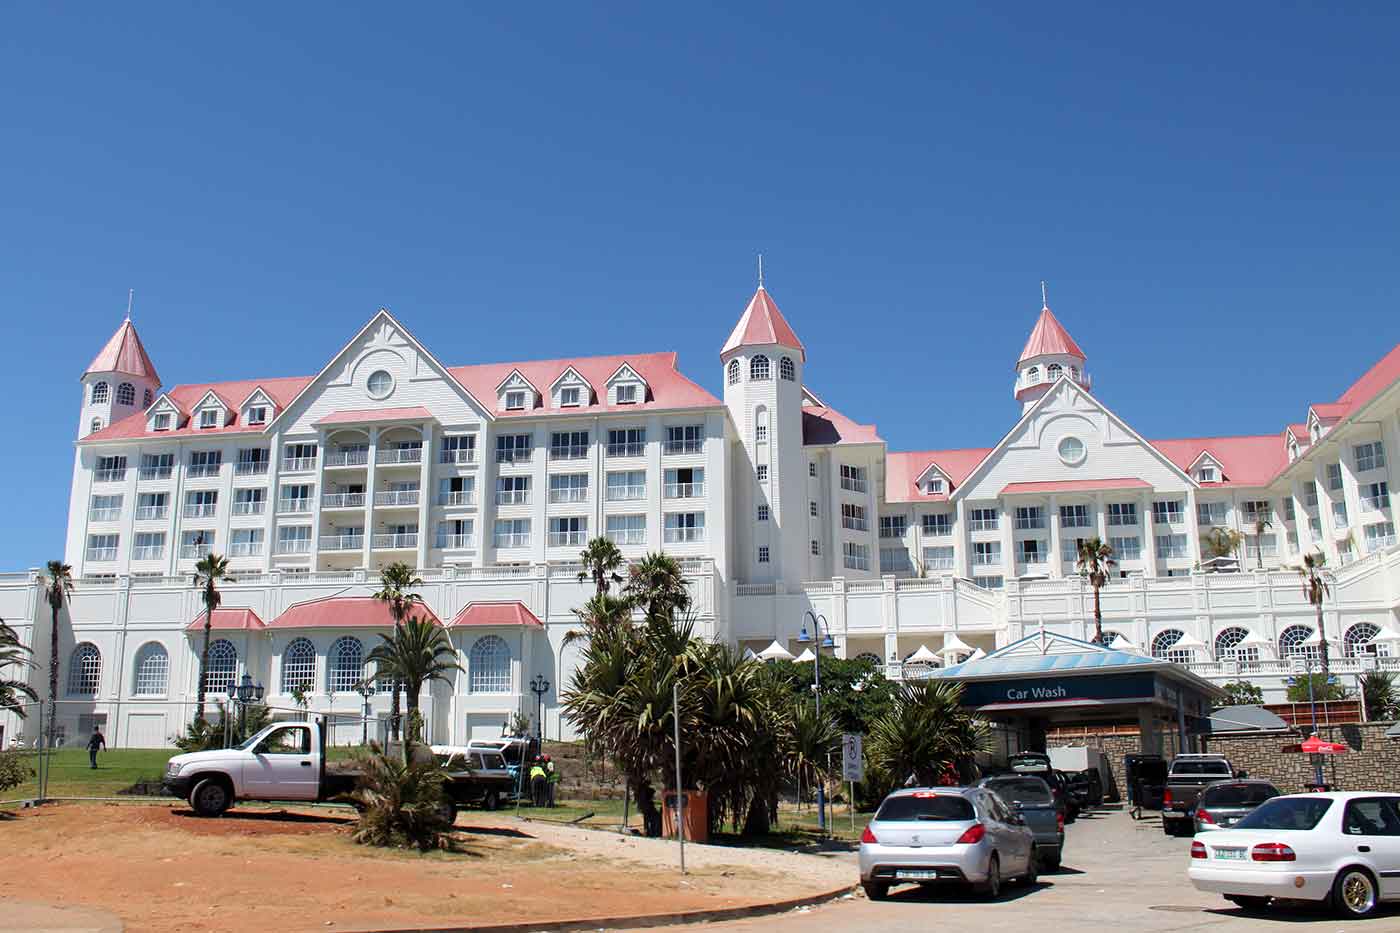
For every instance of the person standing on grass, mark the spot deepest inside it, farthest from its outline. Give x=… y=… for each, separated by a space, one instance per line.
x=95 y=742
x=552 y=775
x=539 y=781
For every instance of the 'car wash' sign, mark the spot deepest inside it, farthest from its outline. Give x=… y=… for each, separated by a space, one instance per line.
x=1033 y=691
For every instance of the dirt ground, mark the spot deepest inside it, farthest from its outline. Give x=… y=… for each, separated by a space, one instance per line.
x=161 y=869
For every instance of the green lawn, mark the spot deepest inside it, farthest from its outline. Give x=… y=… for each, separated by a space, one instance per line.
x=796 y=828
x=116 y=770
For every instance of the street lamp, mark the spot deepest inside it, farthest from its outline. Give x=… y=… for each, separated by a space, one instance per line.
x=365 y=689
x=245 y=693
x=539 y=687
x=822 y=641
x=1312 y=706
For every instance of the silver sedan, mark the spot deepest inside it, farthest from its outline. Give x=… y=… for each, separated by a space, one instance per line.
x=964 y=835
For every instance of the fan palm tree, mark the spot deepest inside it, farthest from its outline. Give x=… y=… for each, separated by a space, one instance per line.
x=601 y=559
x=1094 y=564
x=1260 y=524
x=813 y=738
x=211 y=570
x=58 y=586
x=396 y=582
x=1221 y=542
x=602 y=611
x=14 y=653
x=657 y=584
x=418 y=653
x=1315 y=588
x=926 y=734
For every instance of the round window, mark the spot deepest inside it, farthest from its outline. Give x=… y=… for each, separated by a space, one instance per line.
x=380 y=383
x=1072 y=451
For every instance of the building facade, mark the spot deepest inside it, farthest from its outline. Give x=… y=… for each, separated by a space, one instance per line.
x=490 y=479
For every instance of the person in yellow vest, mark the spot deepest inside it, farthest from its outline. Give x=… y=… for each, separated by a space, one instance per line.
x=539 y=783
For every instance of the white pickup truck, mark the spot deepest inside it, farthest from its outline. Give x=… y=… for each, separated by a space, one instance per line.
x=286 y=761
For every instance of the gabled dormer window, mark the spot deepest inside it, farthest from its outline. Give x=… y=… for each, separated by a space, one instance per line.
x=257 y=414
x=627 y=394
x=515 y=400
x=162 y=421
x=569 y=397
x=934 y=486
x=209 y=418
x=1208 y=473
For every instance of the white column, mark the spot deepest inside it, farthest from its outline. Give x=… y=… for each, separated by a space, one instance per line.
x=425 y=478
x=1346 y=456
x=1324 y=511
x=960 y=540
x=1149 y=537
x=1193 y=527
x=274 y=467
x=369 y=495
x=1057 y=564
x=1102 y=517
x=1008 y=544
x=1306 y=542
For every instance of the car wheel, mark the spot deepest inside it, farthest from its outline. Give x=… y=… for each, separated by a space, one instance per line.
x=1031 y=875
x=991 y=888
x=1354 y=893
x=210 y=797
x=1171 y=827
x=876 y=890
x=447 y=811
x=1052 y=860
x=1247 y=902
x=492 y=800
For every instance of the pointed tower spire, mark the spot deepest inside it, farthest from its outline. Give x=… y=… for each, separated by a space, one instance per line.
x=1049 y=338
x=124 y=353
x=130 y=294
x=762 y=323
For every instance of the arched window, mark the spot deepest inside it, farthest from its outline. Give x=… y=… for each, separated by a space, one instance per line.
x=758 y=368
x=1356 y=643
x=223 y=665
x=146 y=399
x=126 y=394
x=733 y=372
x=1227 y=645
x=1162 y=644
x=1290 y=643
x=84 y=670
x=873 y=658
x=488 y=665
x=1110 y=638
x=152 y=670
x=95 y=426
x=760 y=424
x=787 y=370
x=1053 y=371
x=1074 y=373
x=99 y=392
x=299 y=666
x=1032 y=375
x=344 y=665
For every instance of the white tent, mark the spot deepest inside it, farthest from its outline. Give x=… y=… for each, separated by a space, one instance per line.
x=775 y=652
x=922 y=656
x=806 y=656
x=952 y=643
x=749 y=654
x=1187 y=643
x=1386 y=636
x=1316 y=639
x=1122 y=643
x=1254 y=640
x=978 y=655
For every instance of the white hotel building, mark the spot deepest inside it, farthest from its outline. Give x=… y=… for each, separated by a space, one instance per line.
x=490 y=478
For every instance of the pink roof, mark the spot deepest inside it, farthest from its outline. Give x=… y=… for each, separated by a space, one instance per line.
x=241 y=620
x=1049 y=338
x=507 y=613
x=822 y=426
x=185 y=397
x=124 y=353
x=1299 y=431
x=1075 y=485
x=1252 y=460
x=666 y=387
x=417 y=413
x=1379 y=377
x=903 y=469
x=345 y=612
x=762 y=323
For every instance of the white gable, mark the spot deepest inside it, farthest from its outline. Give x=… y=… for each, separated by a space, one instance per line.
x=257 y=399
x=630 y=382
x=216 y=408
x=581 y=389
x=514 y=384
x=933 y=481
x=164 y=406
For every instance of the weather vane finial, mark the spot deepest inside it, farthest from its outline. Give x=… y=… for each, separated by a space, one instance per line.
x=760 y=270
x=1044 y=294
x=130 y=293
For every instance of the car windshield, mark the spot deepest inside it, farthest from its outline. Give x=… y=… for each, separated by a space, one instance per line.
x=1238 y=795
x=1302 y=813
x=1022 y=790
x=1201 y=767
x=929 y=807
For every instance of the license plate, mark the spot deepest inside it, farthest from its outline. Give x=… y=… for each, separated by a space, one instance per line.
x=1230 y=855
x=916 y=875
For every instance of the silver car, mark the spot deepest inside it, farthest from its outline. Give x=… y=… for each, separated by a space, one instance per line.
x=937 y=835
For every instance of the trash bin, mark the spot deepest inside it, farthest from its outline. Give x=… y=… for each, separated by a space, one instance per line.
x=696 y=821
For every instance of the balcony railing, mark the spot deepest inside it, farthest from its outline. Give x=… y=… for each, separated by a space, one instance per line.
x=512 y=540
x=569 y=494
x=396 y=542
x=153 y=473
x=343 y=500
x=149 y=552
x=346 y=458
x=569 y=452
x=684 y=490
x=251 y=467
x=101 y=554
x=298 y=464
x=396 y=497
x=854 y=485
x=513 y=455
x=399 y=455
x=292 y=506
x=150 y=513
x=684 y=447
x=624 y=493
x=342 y=542
x=104 y=515
x=567 y=538
x=201 y=509
x=628 y=536
x=634 y=449
x=294 y=546
x=198 y=470
x=456 y=542
x=250 y=507
x=460 y=455
x=195 y=551
x=245 y=549
x=684 y=535
x=512 y=497
x=113 y=475
x=854 y=524
x=463 y=497
x=982 y=524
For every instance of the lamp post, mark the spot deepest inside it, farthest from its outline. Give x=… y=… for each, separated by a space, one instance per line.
x=539 y=687
x=1312 y=707
x=821 y=641
x=245 y=693
x=366 y=690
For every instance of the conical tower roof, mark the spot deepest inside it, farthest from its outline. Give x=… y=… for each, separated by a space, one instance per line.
x=762 y=323
x=1049 y=338
x=124 y=353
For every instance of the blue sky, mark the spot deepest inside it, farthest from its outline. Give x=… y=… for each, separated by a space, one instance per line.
x=1210 y=191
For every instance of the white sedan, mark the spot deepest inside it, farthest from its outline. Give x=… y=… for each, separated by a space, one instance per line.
x=1343 y=848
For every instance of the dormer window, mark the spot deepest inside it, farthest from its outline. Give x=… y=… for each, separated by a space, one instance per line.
x=162 y=421
x=627 y=395
x=934 y=486
x=257 y=414
x=209 y=418
x=515 y=400
x=1208 y=473
x=569 y=397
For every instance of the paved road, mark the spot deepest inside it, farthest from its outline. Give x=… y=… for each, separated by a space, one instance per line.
x=1118 y=874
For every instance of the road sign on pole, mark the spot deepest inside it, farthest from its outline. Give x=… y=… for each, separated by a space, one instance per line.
x=852 y=757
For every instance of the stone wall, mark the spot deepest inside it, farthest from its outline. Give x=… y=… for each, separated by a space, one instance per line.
x=1372 y=761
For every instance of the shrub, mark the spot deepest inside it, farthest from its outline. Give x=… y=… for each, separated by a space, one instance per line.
x=1321 y=689
x=1243 y=693
x=1379 y=693
x=401 y=805
x=203 y=735
x=14 y=770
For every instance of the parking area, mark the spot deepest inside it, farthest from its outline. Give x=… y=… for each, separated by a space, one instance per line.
x=1118 y=874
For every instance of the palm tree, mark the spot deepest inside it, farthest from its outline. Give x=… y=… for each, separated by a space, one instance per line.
x=395 y=582
x=1221 y=542
x=657 y=584
x=1094 y=564
x=1260 y=524
x=16 y=653
x=809 y=758
x=1315 y=588
x=600 y=559
x=58 y=585
x=208 y=573
x=418 y=653
x=926 y=734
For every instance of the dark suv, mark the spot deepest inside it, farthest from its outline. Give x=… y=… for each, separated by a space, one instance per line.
x=1038 y=764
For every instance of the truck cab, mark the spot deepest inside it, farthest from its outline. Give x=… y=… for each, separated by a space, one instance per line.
x=1186 y=775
